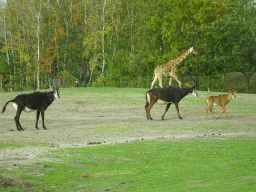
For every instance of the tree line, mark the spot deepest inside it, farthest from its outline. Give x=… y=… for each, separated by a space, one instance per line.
x=119 y=43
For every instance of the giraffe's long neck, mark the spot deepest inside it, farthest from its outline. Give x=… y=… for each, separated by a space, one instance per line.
x=178 y=60
x=181 y=57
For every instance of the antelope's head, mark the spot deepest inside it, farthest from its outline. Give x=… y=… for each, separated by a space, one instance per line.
x=55 y=89
x=232 y=94
x=192 y=88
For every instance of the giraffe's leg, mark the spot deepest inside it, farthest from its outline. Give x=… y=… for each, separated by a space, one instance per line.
x=170 y=81
x=160 y=81
x=153 y=82
x=176 y=78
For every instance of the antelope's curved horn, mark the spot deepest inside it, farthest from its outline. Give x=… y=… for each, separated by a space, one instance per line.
x=58 y=84
x=194 y=82
x=53 y=83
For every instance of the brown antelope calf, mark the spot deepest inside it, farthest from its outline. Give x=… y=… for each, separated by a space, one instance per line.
x=221 y=100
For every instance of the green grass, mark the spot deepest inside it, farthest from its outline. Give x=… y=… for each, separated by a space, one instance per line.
x=111 y=95
x=160 y=165
x=103 y=90
x=6 y=145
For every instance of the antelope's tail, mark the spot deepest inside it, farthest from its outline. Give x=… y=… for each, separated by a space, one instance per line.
x=6 y=105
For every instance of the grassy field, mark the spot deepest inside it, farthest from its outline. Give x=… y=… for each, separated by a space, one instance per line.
x=159 y=165
x=202 y=162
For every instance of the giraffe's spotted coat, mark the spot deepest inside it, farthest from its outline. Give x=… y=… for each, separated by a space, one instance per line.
x=169 y=69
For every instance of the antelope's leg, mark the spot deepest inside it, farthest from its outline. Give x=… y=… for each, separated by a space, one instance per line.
x=223 y=111
x=177 y=109
x=17 y=118
x=167 y=108
x=148 y=108
x=212 y=112
x=42 y=114
x=37 y=118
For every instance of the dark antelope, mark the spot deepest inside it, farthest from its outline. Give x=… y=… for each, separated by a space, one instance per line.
x=167 y=96
x=38 y=101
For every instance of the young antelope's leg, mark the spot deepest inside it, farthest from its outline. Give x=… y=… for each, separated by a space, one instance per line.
x=206 y=109
x=212 y=112
x=209 y=107
x=177 y=109
x=206 y=112
x=37 y=117
x=167 y=107
x=223 y=111
x=146 y=109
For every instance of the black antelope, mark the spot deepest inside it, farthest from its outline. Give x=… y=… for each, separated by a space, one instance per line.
x=38 y=101
x=167 y=96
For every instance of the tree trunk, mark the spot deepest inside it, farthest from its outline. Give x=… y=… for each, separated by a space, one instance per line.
x=38 y=46
x=90 y=80
x=7 y=52
x=103 y=36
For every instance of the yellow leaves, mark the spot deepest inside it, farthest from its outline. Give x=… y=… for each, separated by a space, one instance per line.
x=24 y=56
x=68 y=76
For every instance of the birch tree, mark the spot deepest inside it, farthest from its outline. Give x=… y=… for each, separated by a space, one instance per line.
x=7 y=50
x=38 y=25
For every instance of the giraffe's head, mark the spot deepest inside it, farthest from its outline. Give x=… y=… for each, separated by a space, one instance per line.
x=192 y=50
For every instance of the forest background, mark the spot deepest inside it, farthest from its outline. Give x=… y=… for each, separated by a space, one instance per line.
x=115 y=43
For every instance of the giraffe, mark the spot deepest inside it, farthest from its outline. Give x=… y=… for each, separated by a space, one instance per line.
x=169 y=69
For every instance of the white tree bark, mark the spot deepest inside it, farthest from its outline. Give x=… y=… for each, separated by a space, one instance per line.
x=38 y=45
x=7 y=51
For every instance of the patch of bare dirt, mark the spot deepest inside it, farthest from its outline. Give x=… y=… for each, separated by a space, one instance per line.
x=7 y=181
